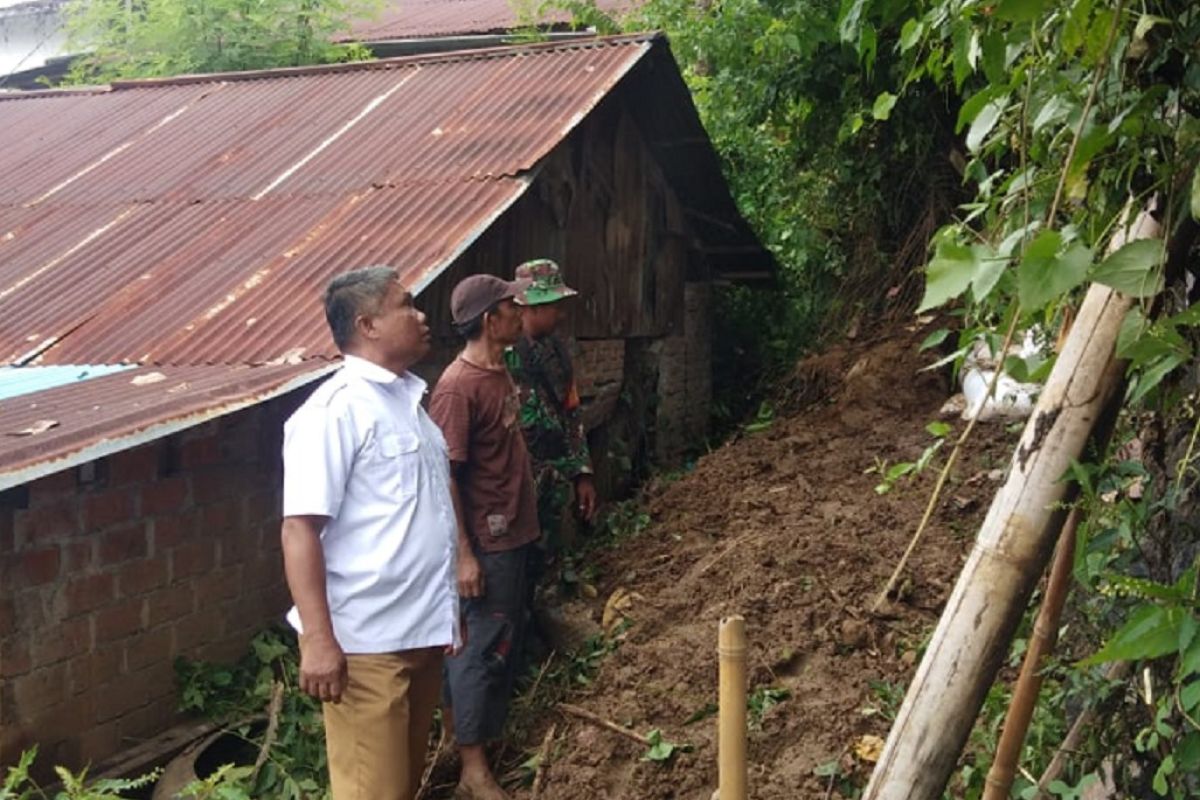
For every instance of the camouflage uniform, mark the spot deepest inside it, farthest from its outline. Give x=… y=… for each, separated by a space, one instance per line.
x=551 y=412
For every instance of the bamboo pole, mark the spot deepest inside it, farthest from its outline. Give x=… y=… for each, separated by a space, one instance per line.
x=1010 y=553
x=731 y=753
x=1041 y=644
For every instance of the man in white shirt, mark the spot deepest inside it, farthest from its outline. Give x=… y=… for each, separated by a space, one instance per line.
x=369 y=536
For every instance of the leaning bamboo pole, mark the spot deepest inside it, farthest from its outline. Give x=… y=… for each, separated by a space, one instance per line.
x=1029 y=683
x=1010 y=553
x=731 y=747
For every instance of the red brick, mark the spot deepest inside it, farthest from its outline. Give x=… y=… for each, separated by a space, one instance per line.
x=94 y=668
x=53 y=488
x=139 y=465
x=192 y=558
x=108 y=508
x=171 y=531
x=61 y=642
x=139 y=577
x=241 y=546
x=46 y=523
x=218 y=519
x=8 y=616
x=119 y=620
x=40 y=566
x=123 y=544
x=200 y=452
x=14 y=657
x=41 y=689
x=164 y=496
x=261 y=507
x=218 y=586
x=201 y=628
x=31 y=610
x=78 y=556
x=98 y=742
x=149 y=720
x=172 y=603
x=149 y=648
x=87 y=593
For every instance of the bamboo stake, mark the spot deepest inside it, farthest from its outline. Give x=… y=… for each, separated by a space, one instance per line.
x=731 y=752
x=1029 y=683
x=1010 y=553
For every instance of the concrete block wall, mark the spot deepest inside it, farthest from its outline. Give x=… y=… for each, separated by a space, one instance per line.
x=685 y=379
x=111 y=570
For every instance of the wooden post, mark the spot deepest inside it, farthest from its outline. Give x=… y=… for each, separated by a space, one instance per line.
x=1029 y=684
x=1010 y=554
x=731 y=752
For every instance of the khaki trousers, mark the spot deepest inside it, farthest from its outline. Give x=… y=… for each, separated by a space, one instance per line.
x=377 y=735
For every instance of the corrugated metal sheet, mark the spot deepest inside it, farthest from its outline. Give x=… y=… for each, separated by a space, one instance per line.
x=419 y=19
x=191 y=223
x=195 y=221
x=69 y=425
x=19 y=381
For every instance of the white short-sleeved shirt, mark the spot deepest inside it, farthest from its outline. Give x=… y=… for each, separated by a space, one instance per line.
x=363 y=452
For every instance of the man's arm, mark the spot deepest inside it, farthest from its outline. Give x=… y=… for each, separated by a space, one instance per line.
x=322 y=662
x=470 y=574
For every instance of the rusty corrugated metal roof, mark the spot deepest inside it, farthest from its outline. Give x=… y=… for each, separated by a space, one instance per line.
x=62 y=427
x=420 y=19
x=194 y=221
x=188 y=225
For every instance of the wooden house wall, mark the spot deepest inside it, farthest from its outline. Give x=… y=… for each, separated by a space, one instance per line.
x=601 y=208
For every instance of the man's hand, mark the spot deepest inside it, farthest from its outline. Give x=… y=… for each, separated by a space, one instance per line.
x=322 y=668
x=585 y=496
x=470 y=576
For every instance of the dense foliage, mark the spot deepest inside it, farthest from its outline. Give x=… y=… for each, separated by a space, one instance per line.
x=155 y=38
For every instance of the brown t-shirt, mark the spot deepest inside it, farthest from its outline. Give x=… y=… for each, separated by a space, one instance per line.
x=477 y=409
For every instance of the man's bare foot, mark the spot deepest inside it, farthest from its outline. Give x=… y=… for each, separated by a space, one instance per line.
x=485 y=789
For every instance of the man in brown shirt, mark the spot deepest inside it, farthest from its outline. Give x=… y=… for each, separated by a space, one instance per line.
x=476 y=404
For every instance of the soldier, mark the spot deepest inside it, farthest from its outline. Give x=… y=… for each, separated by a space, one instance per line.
x=551 y=413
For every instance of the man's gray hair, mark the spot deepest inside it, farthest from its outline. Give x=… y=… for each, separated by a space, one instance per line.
x=351 y=294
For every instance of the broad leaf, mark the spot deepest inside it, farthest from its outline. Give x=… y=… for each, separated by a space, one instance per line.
x=989 y=268
x=1020 y=10
x=933 y=339
x=1133 y=270
x=948 y=275
x=910 y=34
x=1151 y=631
x=984 y=122
x=1042 y=275
x=1153 y=374
x=884 y=104
x=975 y=104
x=1187 y=752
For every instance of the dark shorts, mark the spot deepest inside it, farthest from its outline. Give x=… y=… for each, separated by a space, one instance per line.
x=479 y=680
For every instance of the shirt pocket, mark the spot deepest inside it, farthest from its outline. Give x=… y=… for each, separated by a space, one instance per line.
x=393 y=463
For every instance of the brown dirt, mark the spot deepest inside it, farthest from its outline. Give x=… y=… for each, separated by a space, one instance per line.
x=784 y=527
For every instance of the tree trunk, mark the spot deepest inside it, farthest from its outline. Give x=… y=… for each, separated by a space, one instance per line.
x=1011 y=552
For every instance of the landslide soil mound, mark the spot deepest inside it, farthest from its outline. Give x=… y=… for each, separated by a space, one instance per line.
x=784 y=527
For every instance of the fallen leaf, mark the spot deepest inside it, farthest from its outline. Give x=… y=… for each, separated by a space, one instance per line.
x=41 y=426
x=148 y=378
x=868 y=748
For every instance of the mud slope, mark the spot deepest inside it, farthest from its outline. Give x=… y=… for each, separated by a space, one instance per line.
x=783 y=526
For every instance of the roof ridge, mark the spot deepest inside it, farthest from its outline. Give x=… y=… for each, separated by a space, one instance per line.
x=454 y=56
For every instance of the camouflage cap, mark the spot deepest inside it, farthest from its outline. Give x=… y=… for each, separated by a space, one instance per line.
x=545 y=283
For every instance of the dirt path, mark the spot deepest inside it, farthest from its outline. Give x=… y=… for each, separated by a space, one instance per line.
x=784 y=527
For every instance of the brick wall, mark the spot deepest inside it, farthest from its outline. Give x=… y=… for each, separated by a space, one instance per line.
x=685 y=379
x=111 y=570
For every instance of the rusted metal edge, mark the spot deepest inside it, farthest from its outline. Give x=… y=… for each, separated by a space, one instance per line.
x=479 y=54
x=155 y=431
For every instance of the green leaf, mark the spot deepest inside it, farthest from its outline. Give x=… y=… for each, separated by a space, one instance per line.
x=1042 y=275
x=1145 y=23
x=910 y=34
x=1054 y=110
x=1187 y=752
x=938 y=429
x=850 y=21
x=948 y=275
x=1165 y=769
x=934 y=339
x=1133 y=270
x=1151 y=631
x=994 y=59
x=984 y=122
x=1020 y=10
x=1153 y=374
x=975 y=104
x=1189 y=662
x=884 y=104
x=1189 y=696
x=988 y=271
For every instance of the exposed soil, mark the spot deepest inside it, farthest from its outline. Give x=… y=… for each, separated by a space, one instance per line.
x=784 y=527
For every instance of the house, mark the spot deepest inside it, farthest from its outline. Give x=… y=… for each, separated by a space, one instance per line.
x=163 y=246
